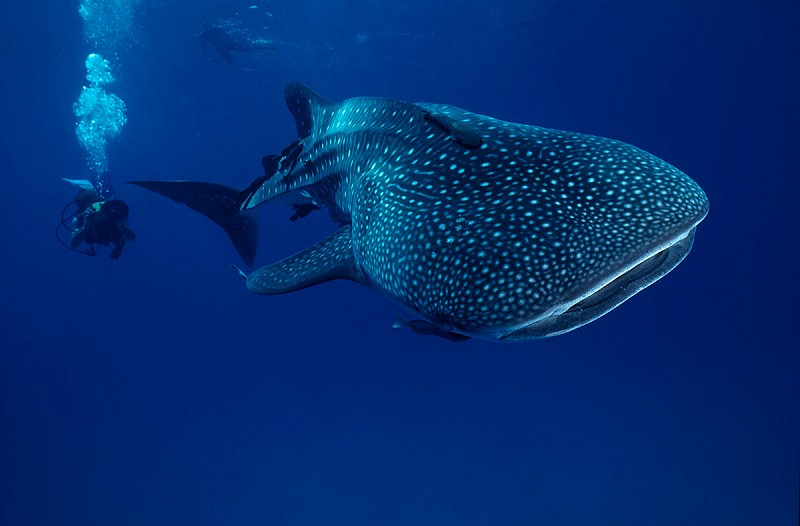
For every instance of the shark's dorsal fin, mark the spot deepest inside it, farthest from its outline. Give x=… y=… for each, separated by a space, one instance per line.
x=327 y=260
x=306 y=106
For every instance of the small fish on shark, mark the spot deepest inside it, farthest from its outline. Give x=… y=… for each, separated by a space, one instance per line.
x=479 y=227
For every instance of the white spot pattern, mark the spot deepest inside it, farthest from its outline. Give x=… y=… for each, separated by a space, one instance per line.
x=481 y=239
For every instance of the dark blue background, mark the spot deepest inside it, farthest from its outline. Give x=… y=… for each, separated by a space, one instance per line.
x=157 y=390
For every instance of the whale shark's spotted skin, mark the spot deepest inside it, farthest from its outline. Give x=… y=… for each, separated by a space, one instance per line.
x=481 y=227
x=488 y=239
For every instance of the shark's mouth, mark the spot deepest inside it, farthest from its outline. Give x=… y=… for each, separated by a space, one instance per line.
x=618 y=286
x=608 y=294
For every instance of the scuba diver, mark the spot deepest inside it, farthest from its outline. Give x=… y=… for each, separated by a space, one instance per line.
x=224 y=44
x=96 y=221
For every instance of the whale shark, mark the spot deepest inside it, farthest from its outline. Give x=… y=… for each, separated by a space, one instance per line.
x=478 y=227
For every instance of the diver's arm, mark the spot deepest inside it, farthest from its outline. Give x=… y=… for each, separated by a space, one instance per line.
x=118 y=239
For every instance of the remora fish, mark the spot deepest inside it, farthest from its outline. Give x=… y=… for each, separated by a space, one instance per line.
x=480 y=227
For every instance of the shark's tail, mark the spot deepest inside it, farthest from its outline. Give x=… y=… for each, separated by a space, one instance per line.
x=221 y=204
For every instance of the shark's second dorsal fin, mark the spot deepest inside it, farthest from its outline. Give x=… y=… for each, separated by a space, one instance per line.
x=306 y=105
x=329 y=259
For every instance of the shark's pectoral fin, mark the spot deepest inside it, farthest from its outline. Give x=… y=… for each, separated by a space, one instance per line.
x=459 y=132
x=327 y=260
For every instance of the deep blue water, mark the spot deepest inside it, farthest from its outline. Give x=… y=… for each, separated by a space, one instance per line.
x=157 y=390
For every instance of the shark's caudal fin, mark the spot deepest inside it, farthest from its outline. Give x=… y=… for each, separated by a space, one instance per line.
x=219 y=203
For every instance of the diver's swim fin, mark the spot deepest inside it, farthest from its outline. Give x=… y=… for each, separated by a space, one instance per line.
x=219 y=203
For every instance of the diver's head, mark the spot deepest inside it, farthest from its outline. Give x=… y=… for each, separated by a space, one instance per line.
x=115 y=209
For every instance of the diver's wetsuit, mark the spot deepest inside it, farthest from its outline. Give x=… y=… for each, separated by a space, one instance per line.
x=103 y=223
x=224 y=44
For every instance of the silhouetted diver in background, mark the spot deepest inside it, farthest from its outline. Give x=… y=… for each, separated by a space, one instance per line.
x=224 y=44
